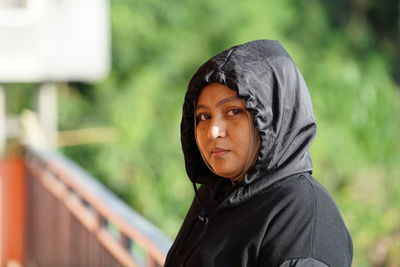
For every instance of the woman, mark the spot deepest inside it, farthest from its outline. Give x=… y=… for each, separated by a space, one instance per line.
x=246 y=131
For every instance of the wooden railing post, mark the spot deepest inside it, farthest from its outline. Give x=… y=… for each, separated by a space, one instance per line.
x=12 y=210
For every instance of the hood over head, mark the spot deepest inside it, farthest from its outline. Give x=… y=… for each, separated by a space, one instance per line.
x=262 y=73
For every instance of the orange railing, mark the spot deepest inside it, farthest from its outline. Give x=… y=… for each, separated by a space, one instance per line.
x=12 y=210
x=73 y=220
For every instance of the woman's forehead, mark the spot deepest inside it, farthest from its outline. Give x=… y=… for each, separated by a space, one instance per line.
x=216 y=95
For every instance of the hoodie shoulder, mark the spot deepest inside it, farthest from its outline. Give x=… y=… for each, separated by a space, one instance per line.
x=305 y=223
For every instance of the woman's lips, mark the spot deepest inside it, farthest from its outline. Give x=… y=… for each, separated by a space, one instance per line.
x=218 y=152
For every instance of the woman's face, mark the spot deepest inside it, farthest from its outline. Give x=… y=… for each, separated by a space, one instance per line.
x=223 y=130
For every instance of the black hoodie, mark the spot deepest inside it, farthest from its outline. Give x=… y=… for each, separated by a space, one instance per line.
x=278 y=215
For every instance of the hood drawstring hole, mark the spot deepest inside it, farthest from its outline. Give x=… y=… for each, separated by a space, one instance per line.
x=203 y=219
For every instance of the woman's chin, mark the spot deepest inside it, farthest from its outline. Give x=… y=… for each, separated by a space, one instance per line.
x=229 y=174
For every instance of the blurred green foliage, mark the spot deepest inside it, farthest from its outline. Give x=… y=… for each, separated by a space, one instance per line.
x=347 y=62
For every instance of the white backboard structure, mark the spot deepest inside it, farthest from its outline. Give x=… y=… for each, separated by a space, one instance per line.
x=54 y=40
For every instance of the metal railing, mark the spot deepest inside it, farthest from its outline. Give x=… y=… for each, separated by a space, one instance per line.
x=73 y=220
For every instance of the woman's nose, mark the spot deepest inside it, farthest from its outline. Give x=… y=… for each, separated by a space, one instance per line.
x=217 y=130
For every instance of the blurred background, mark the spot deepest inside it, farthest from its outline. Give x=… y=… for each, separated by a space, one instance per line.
x=124 y=127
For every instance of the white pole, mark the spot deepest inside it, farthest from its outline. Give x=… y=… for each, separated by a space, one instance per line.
x=47 y=110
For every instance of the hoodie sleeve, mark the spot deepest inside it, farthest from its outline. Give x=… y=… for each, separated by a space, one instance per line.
x=306 y=229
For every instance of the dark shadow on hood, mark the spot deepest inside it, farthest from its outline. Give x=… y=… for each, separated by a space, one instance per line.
x=262 y=73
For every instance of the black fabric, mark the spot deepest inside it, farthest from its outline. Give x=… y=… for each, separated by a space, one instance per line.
x=278 y=214
x=304 y=262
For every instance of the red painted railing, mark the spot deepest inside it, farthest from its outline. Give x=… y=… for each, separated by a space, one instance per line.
x=73 y=220
x=12 y=209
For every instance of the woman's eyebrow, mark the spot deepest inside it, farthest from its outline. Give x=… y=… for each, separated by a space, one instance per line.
x=201 y=107
x=226 y=100
x=219 y=103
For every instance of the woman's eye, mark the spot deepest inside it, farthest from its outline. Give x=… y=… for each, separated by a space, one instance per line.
x=234 y=111
x=203 y=117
